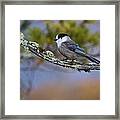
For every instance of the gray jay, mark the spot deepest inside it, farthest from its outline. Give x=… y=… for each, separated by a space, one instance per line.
x=68 y=48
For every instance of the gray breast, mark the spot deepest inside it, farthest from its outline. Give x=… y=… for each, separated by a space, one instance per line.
x=67 y=53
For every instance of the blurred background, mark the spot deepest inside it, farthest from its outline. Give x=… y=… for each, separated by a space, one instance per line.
x=41 y=80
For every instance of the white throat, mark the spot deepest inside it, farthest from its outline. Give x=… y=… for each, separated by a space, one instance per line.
x=60 y=41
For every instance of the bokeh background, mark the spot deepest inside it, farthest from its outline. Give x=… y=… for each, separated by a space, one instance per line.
x=41 y=80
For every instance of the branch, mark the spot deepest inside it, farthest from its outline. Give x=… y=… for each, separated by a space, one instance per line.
x=49 y=56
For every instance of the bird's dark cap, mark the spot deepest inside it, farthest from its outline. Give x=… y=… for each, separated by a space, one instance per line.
x=60 y=35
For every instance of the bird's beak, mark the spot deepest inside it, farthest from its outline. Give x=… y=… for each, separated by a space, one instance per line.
x=55 y=39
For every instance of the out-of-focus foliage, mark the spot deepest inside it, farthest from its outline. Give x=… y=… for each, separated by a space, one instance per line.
x=78 y=31
x=24 y=24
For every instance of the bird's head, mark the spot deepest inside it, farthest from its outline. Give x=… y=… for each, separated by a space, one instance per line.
x=61 y=36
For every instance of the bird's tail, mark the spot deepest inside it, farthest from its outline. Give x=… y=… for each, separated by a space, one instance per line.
x=92 y=59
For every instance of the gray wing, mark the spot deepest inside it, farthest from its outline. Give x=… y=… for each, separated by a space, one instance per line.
x=74 y=47
x=65 y=51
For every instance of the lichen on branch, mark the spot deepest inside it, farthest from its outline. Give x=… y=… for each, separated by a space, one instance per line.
x=49 y=56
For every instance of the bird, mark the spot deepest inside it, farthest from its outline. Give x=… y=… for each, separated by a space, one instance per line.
x=72 y=51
